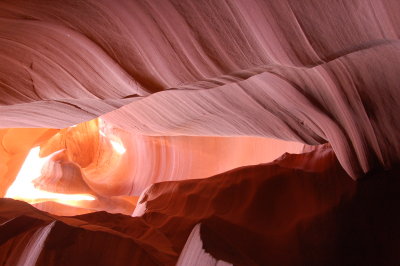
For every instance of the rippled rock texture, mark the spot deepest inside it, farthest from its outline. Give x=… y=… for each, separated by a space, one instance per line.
x=298 y=210
x=171 y=111
x=308 y=71
x=113 y=165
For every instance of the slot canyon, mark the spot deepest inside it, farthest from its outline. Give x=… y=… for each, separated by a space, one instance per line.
x=199 y=132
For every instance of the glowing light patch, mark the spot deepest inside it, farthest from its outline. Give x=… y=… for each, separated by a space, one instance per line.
x=118 y=147
x=102 y=133
x=24 y=189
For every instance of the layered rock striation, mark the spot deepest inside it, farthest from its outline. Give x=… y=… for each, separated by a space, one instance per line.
x=313 y=72
x=312 y=213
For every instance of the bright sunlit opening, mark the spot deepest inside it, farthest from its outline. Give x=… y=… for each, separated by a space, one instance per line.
x=24 y=189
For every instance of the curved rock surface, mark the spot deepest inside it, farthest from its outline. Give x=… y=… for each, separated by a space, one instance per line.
x=313 y=214
x=114 y=166
x=316 y=71
x=148 y=108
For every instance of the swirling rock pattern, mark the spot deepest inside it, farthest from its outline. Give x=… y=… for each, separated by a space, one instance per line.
x=312 y=213
x=145 y=107
x=315 y=71
x=85 y=162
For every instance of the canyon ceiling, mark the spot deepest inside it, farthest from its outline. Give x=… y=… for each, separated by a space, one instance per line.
x=183 y=132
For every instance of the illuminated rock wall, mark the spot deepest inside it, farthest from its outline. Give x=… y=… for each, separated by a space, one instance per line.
x=112 y=167
x=147 y=108
x=314 y=71
x=300 y=209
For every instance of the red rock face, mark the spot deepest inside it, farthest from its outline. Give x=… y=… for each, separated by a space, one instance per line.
x=173 y=112
x=266 y=214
